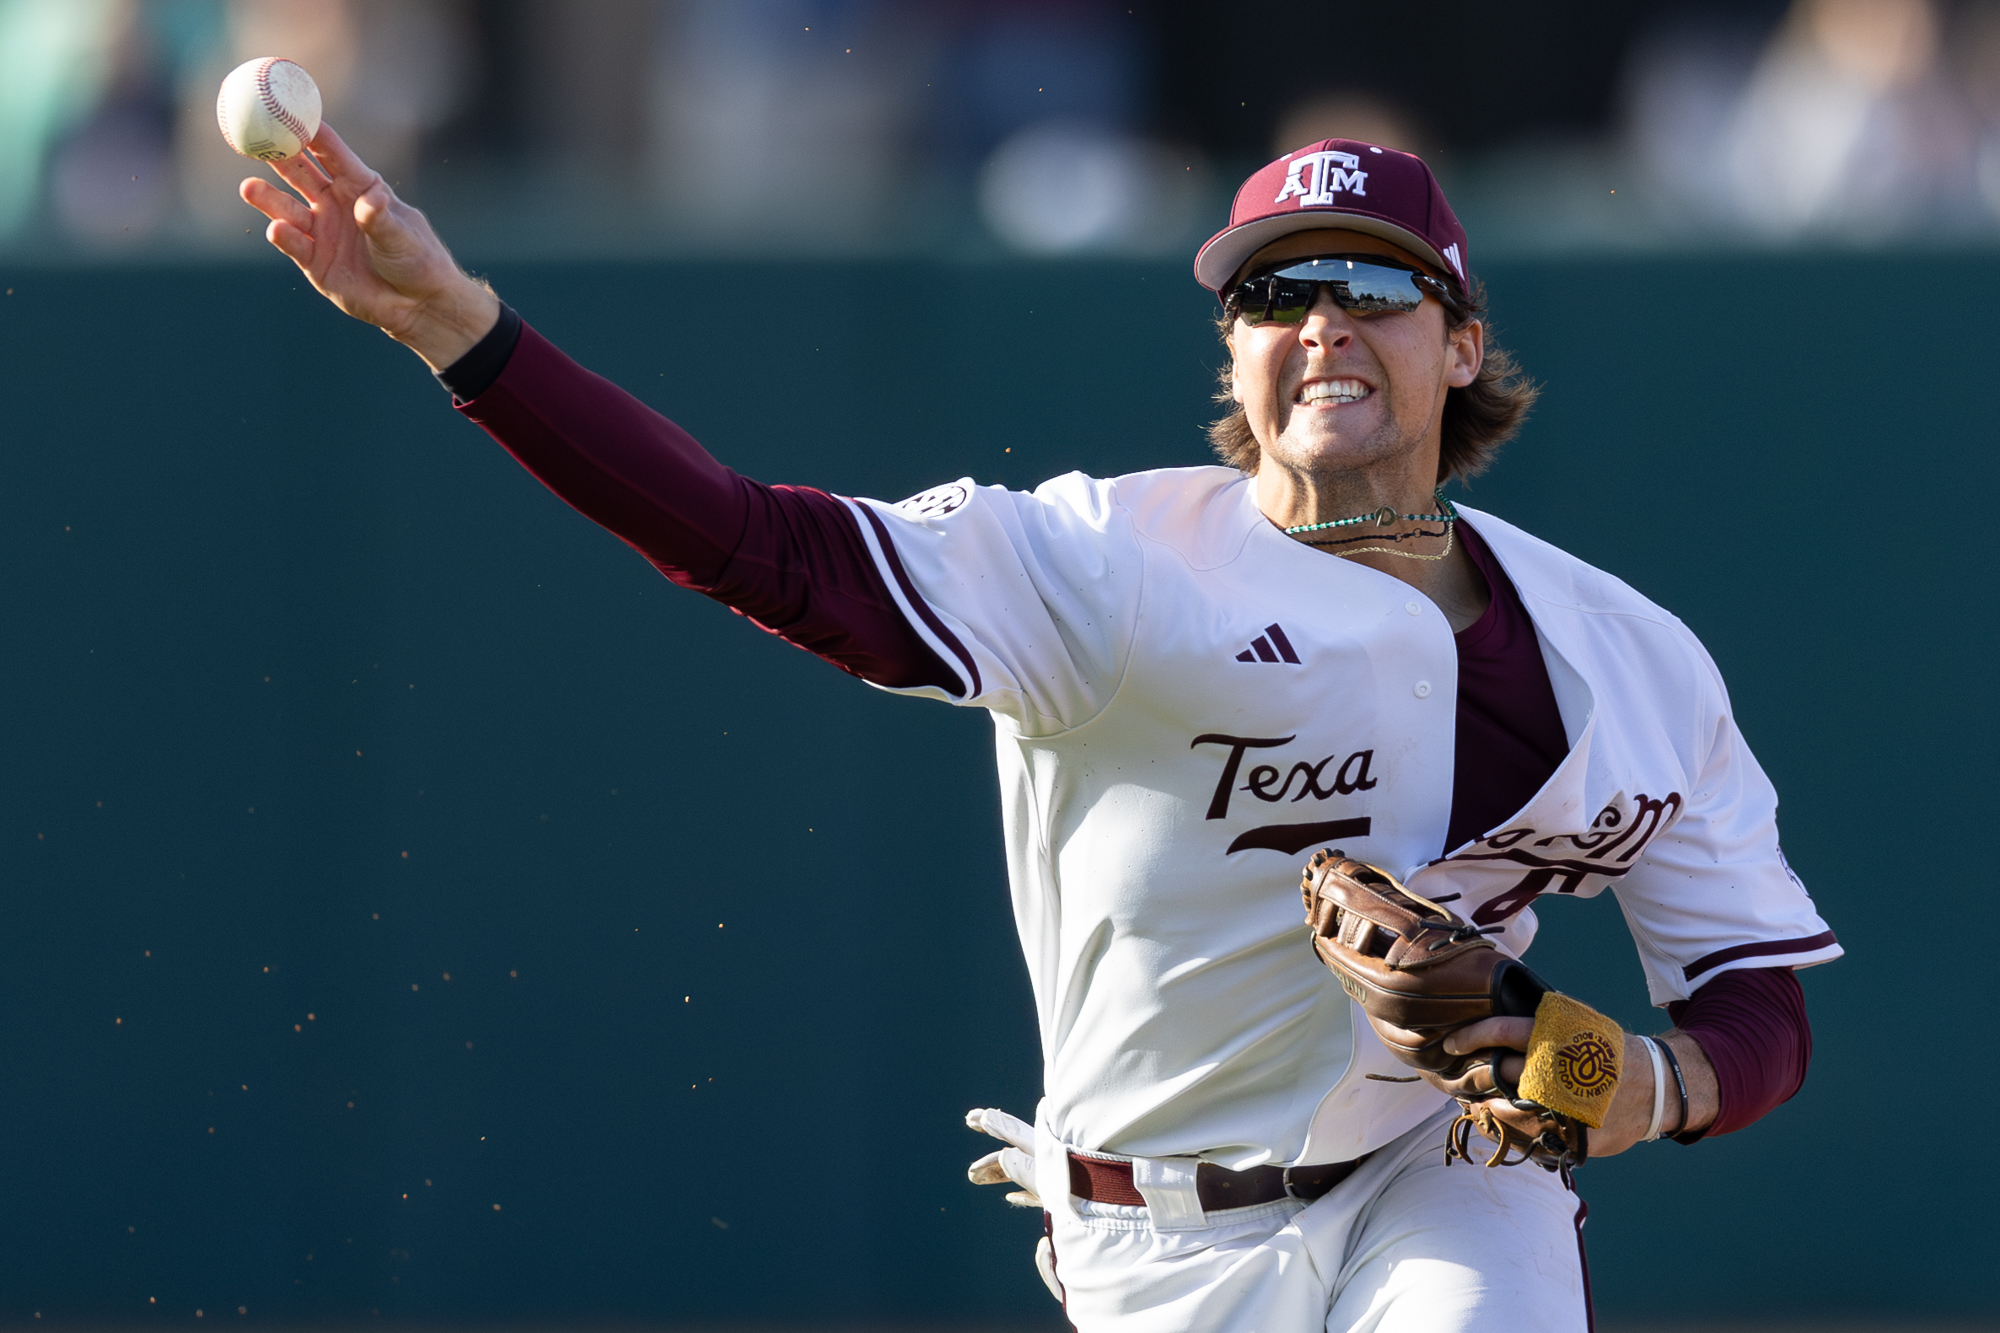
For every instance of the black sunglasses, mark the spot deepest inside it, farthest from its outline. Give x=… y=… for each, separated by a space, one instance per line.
x=1358 y=284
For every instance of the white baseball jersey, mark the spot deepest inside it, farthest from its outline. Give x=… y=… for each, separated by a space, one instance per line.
x=1187 y=702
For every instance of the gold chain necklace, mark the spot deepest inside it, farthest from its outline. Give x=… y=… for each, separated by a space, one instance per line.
x=1450 y=530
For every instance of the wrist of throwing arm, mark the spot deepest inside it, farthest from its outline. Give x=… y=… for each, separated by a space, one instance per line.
x=475 y=372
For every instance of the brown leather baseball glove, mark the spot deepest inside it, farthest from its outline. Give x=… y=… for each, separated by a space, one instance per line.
x=1420 y=973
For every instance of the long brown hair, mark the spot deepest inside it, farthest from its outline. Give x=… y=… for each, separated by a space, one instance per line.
x=1478 y=418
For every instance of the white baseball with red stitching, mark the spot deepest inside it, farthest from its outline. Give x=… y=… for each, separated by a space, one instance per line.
x=268 y=108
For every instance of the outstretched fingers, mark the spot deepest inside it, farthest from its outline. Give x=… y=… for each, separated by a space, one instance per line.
x=340 y=161
x=374 y=202
x=375 y=214
x=275 y=203
x=296 y=245
x=304 y=175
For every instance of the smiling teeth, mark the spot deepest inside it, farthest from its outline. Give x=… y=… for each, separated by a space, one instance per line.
x=1333 y=391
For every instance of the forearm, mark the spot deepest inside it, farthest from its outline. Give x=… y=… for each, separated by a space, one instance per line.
x=790 y=558
x=1742 y=1045
x=1755 y=1044
x=615 y=460
x=1697 y=1072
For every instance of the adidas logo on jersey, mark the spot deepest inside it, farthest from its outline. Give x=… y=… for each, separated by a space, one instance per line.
x=1270 y=646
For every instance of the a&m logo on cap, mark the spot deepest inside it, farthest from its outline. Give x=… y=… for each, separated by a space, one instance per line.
x=1330 y=173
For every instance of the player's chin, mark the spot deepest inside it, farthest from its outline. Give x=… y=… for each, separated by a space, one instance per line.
x=1324 y=442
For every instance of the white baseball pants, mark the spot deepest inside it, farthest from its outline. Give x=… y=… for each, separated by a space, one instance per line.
x=1404 y=1245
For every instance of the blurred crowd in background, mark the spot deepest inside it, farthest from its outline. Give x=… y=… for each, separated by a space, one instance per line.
x=1048 y=127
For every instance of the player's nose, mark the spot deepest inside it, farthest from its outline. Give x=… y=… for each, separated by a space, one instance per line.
x=1326 y=325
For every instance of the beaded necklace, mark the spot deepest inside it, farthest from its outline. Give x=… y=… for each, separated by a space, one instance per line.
x=1382 y=517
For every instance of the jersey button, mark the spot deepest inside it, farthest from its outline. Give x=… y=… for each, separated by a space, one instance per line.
x=1413 y=608
x=1423 y=689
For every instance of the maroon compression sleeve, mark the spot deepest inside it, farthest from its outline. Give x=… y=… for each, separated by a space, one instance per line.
x=1751 y=1024
x=790 y=558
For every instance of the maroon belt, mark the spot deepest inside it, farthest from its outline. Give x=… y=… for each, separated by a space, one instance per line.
x=1100 y=1181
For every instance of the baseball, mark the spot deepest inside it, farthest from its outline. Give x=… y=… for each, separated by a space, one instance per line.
x=268 y=108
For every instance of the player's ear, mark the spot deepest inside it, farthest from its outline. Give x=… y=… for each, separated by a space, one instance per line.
x=1467 y=353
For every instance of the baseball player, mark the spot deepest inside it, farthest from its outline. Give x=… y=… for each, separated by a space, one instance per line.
x=1198 y=675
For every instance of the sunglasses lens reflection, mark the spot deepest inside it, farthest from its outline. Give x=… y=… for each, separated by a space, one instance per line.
x=1291 y=299
x=1383 y=289
x=1284 y=297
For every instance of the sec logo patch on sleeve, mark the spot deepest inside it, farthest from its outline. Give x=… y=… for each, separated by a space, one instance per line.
x=936 y=502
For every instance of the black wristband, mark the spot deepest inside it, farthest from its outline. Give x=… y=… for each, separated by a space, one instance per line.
x=1680 y=1083
x=474 y=373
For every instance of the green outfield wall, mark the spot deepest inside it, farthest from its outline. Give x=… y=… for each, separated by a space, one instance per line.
x=313 y=697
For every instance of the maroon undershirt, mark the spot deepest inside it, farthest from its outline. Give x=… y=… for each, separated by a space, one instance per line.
x=1510 y=736
x=793 y=561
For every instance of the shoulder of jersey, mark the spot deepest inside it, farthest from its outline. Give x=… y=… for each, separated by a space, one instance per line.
x=1545 y=572
x=1199 y=511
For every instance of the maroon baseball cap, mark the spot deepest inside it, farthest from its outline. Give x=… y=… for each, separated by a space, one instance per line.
x=1338 y=183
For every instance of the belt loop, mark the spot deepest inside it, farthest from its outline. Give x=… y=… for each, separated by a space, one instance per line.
x=1168 y=1186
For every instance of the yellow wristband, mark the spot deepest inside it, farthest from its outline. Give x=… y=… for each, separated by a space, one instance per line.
x=1573 y=1059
